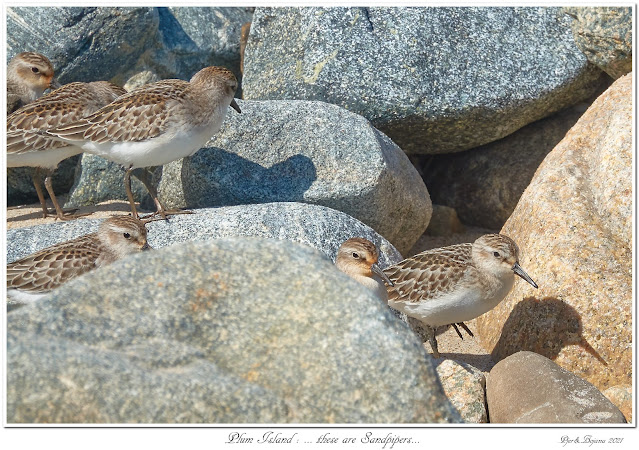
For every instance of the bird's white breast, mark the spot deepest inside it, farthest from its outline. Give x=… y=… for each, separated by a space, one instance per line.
x=48 y=159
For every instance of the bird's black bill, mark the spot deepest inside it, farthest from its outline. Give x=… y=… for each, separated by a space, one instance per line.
x=235 y=106
x=519 y=271
x=377 y=271
x=55 y=84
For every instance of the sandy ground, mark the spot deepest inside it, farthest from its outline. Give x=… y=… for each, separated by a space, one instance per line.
x=450 y=345
x=30 y=215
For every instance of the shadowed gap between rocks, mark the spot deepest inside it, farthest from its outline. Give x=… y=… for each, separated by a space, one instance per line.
x=216 y=177
x=562 y=327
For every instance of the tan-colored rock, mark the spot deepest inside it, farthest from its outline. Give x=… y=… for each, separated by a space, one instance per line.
x=573 y=226
x=444 y=222
x=530 y=388
x=465 y=387
x=621 y=396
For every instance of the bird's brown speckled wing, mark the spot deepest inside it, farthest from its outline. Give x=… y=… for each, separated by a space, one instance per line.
x=53 y=266
x=61 y=107
x=417 y=277
x=137 y=116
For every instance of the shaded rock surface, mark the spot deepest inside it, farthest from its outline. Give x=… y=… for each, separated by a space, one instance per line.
x=484 y=184
x=604 y=34
x=465 y=386
x=105 y=43
x=319 y=227
x=20 y=189
x=530 y=388
x=312 y=152
x=573 y=225
x=435 y=80
x=98 y=179
x=264 y=331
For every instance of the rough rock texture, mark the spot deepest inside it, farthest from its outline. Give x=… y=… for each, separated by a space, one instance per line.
x=464 y=386
x=89 y=44
x=484 y=184
x=621 y=397
x=435 y=80
x=98 y=180
x=20 y=188
x=574 y=227
x=322 y=228
x=312 y=152
x=530 y=388
x=444 y=222
x=264 y=331
x=604 y=34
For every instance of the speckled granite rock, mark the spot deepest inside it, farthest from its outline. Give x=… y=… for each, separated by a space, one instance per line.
x=435 y=80
x=88 y=44
x=20 y=188
x=494 y=176
x=98 y=180
x=621 y=397
x=604 y=34
x=317 y=226
x=264 y=331
x=464 y=386
x=530 y=388
x=312 y=152
x=574 y=227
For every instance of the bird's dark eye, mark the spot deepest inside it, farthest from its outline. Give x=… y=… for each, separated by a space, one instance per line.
x=35 y=70
x=127 y=236
x=496 y=254
x=355 y=255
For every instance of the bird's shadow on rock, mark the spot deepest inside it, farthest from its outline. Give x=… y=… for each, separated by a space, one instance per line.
x=215 y=177
x=543 y=326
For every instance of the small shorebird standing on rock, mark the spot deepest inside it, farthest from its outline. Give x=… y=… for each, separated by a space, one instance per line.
x=450 y=285
x=32 y=277
x=29 y=74
x=156 y=124
x=27 y=146
x=357 y=257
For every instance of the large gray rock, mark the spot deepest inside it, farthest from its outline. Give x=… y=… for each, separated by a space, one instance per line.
x=226 y=331
x=435 y=80
x=88 y=44
x=316 y=226
x=484 y=184
x=529 y=388
x=312 y=152
x=604 y=34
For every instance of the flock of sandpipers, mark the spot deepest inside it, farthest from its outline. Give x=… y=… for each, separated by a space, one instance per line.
x=170 y=119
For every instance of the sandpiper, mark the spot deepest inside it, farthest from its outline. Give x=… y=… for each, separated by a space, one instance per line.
x=357 y=257
x=156 y=124
x=32 y=277
x=454 y=284
x=28 y=146
x=29 y=74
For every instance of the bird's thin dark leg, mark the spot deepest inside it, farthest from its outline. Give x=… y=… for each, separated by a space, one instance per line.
x=458 y=332
x=463 y=325
x=129 y=194
x=145 y=178
x=48 y=183
x=37 y=183
x=433 y=343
